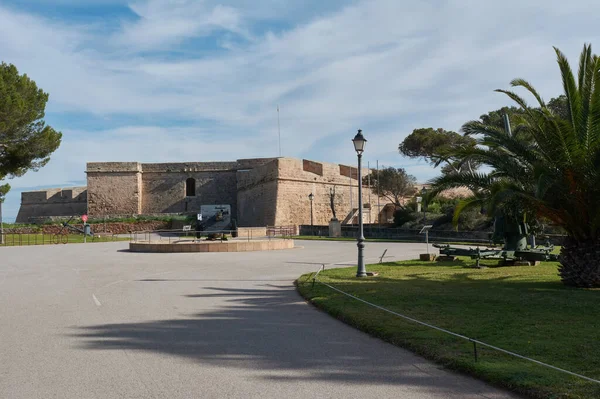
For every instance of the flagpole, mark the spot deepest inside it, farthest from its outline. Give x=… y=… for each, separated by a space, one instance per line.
x=279 y=130
x=378 y=206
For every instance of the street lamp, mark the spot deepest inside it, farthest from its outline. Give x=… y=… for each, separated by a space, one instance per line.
x=310 y=198
x=1 y=199
x=359 y=146
x=423 y=194
x=1 y=223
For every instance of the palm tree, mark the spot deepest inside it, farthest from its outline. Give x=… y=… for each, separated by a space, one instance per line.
x=547 y=167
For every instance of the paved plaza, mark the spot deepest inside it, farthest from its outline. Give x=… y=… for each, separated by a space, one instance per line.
x=96 y=321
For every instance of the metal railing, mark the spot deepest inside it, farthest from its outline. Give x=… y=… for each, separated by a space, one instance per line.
x=183 y=235
x=177 y=235
x=24 y=239
x=399 y=234
x=283 y=231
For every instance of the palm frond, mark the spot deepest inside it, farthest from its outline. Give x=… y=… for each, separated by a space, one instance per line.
x=570 y=88
x=594 y=110
x=467 y=203
x=473 y=181
x=515 y=97
x=525 y=84
x=586 y=82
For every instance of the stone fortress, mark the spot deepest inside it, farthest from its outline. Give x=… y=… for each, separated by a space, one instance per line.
x=261 y=192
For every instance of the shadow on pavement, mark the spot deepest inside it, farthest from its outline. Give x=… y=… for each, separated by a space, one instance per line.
x=272 y=330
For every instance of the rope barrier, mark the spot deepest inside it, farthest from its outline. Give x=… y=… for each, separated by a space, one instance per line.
x=474 y=341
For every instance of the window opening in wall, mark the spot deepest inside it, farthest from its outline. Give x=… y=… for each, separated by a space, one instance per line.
x=190 y=187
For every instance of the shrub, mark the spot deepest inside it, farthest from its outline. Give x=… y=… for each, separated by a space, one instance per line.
x=402 y=216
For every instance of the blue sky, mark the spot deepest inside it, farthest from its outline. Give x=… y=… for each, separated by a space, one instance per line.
x=183 y=80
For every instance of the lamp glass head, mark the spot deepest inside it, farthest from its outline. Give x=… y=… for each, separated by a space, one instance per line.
x=359 y=142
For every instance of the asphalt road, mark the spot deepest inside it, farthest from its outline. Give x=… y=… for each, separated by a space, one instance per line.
x=95 y=321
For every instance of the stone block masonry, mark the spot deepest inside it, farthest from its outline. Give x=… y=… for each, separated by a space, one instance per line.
x=296 y=182
x=114 y=188
x=261 y=191
x=36 y=205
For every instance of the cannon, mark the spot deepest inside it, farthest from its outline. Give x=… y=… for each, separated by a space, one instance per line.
x=513 y=235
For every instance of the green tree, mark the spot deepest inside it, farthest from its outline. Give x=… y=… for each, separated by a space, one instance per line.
x=496 y=118
x=438 y=146
x=559 y=106
x=394 y=184
x=555 y=175
x=25 y=141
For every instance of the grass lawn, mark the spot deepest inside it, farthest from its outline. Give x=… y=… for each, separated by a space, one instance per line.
x=522 y=309
x=46 y=239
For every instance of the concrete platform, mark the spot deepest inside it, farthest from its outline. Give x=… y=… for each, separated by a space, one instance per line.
x=211 y=246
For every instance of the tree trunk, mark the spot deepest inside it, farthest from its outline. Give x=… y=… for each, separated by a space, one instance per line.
x=580 y=264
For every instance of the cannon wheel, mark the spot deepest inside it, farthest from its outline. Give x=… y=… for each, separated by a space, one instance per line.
x=60 y=238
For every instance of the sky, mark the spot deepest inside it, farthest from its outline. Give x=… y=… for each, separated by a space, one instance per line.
x=201 y=80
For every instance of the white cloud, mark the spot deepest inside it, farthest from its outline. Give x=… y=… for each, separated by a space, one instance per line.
x=385 y=66
x=164 y=23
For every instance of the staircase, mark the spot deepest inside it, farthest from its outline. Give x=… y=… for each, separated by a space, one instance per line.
x=351 y=215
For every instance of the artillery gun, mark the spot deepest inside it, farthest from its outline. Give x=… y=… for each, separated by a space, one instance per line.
x=513 y=235
x=63 y=235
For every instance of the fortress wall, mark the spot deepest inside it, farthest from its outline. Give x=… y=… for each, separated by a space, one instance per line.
x=252 y=163
x=264 y=191
x=298 y=178
x=70 y=201
x=114 y=188
x=257 y=195
x=165 y=192
x=184 y=167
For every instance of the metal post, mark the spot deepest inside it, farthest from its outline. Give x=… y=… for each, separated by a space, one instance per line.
x=369 y=185
x=1 y=224
x=378 y=206
x=351 y=204
x=361 y=272
x=311 y=215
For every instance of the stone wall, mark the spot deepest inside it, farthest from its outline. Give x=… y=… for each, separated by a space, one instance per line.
x=261 y=192
x=114 y=188
x=298 y=178
x=123 y=188
x=257 y=195
x=164 y=190
x=70 y=201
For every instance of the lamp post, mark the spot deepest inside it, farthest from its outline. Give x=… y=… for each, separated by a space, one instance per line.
x=1 y=200
x=359 y=146
x=310 y=198
x=1 y=223
x=423 y=194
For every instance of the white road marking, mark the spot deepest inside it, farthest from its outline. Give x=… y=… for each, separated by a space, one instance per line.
x=96 y=301
x=113 y=283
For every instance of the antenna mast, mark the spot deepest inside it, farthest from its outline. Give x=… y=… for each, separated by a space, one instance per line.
x=279 y=130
